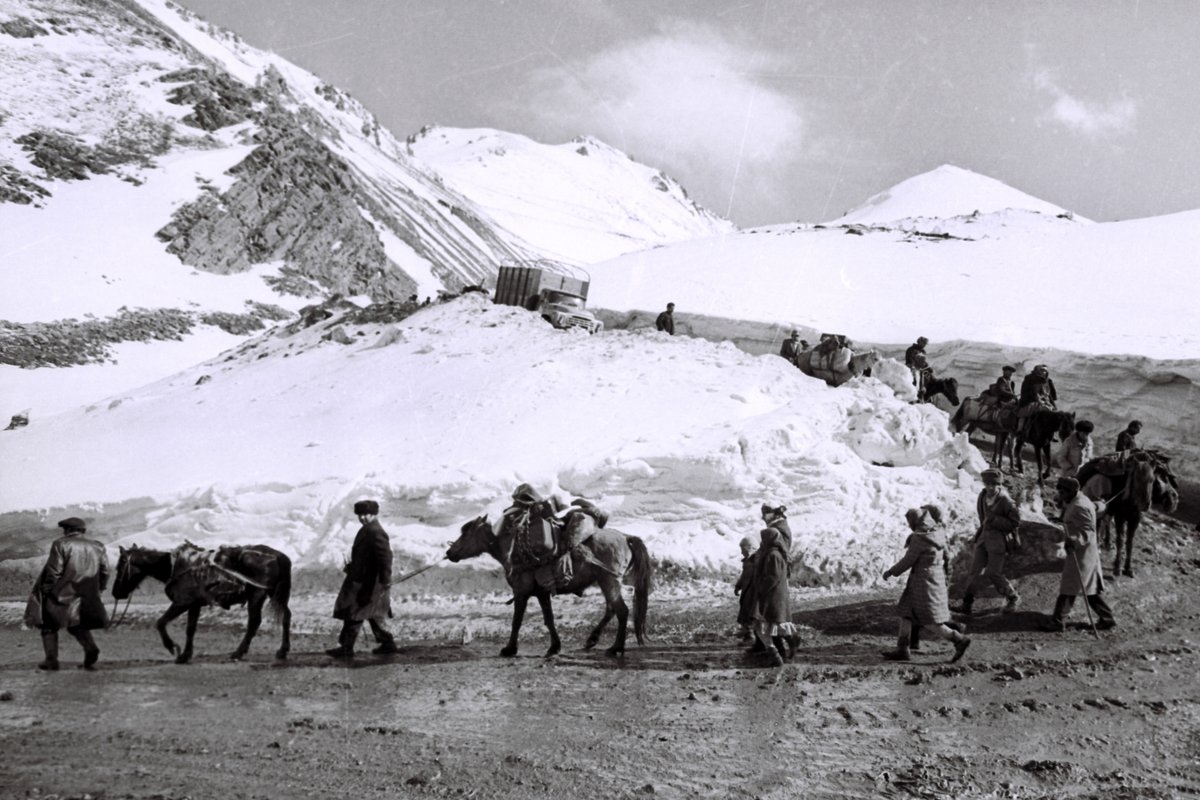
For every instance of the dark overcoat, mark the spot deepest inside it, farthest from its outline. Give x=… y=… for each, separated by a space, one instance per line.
x=745 y=590
x=925 y=600
x=772 y=603
x=75 y=575
x=998 y=520
x=369 y=570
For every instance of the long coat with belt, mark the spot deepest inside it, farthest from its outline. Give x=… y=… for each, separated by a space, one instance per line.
x=75 y=574
x=772 y=603
x=1079 y=523
x=369 y=570
x=925 y=599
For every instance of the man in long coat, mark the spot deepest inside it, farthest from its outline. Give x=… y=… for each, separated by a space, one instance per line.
x=999 y=520
x=1081 y=573
x=70 y=587
x=924 y=603
x=365 y=595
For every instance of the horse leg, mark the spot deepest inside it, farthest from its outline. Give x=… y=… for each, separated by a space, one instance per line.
x=594 y=637
x=1018 y=446
x=1133 y=526
x=1044 y=451
x=548 y=618
x=254 y=619
x=285 y=643
x=174 y=611
x=614 y=600
x=1119 y=524
x=193 y=613
x=519 y=603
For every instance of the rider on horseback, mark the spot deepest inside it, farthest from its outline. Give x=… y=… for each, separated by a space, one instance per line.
x=1037 y=391
x=1002 y=391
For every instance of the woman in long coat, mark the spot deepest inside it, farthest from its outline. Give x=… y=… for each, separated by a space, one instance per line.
x=69 y=591
x=924 y=603
x=772 y=601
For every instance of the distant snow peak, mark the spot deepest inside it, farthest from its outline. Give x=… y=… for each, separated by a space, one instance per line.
x=948 y=192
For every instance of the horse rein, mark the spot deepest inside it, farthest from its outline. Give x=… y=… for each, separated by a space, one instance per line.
x=113 y=620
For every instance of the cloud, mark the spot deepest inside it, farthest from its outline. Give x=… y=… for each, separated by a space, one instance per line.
x=684 y=98
x=1091 y=119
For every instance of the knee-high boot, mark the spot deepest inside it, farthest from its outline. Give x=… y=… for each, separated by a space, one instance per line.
x=50 y=646
x=91 y=653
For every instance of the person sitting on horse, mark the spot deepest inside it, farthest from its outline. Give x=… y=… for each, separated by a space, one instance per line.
x=1127 y=439
x=1037 y=391
x=792 y=347
x=924 y=605
x=1076 y=449
x=1003 y=390
x=917 y=347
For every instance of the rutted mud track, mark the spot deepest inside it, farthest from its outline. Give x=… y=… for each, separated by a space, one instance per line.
x=1026 y=714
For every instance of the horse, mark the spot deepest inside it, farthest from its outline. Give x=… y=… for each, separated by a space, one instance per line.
x=942 y=386
x=195 y=578
x=1044 y=424
x=837 y=367
x=998 y=420
x=614 y=554
x=1145 y=481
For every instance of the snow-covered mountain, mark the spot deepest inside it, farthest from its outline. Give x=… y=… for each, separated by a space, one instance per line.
x=166 y=190
x=578 y=202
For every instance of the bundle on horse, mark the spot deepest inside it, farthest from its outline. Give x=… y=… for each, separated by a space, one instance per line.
x=609 y=556
x=834 y=362
x=995 y=419
x=1043 y=426
x=195 y=578
x=1129 y=486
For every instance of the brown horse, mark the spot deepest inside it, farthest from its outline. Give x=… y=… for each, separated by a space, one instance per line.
x=1042 y=428
x=196 y=578
x=998 y=420
x=839 y=367
x=1146 y=481
x=613 y=555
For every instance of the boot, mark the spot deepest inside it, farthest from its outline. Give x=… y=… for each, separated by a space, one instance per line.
x=914 y=639
x=91 y=653
x=775 y=652
x=899 y=654
x=756 y=648
x=782 y=647
x=50 y=646
x=1011 y=604
x=387 y=644
x=345 y=648
x=964 y=608
x=960 y=647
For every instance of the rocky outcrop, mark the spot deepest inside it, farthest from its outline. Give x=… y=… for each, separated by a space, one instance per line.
x=22 y=28
x=217 y=100
x=15 y=187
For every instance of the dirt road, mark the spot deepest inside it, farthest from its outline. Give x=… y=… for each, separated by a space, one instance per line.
x=1026 y=714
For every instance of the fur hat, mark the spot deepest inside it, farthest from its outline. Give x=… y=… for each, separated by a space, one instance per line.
x=526 y=494
x=72 y=524
x=992 y=475
x=915 y=518
x=1085 y=425
x=366 y=507
x=1068 y=485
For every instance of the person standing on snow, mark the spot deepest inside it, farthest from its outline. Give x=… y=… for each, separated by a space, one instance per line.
x=68 y=594
x=1081 y=573
x=666 y=320
x=924 y=605
x=999 y=520
x=365 y=595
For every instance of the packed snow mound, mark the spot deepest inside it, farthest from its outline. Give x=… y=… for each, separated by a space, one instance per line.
x=942 y=193
x=582 y=201
x=440 y=415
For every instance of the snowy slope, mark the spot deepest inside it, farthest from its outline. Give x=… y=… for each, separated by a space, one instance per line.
x=580 y=202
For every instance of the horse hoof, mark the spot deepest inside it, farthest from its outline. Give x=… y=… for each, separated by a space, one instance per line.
x=552 y=652
x=508 y=652
x=590 y=643
x=236 y=656
x=1128 y=573
x=615 y=652
x=182 y=659
x=281 y=655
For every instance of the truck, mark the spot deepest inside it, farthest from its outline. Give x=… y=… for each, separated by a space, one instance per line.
x=555 y=291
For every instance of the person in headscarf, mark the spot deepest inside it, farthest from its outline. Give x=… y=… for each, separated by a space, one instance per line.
x=924 y=605
x=772 y=600
x=68 y=594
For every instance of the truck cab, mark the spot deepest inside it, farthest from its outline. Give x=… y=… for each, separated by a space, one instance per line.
x=565 y=310
x=558 y=293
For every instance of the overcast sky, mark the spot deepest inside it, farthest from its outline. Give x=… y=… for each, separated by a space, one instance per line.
x=770 y=111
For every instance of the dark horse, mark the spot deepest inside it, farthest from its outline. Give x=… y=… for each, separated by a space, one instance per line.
x=1145 y=480
x=615 y=554
x=1044 y=425
x=995 y=420
x=943 y=386
x=195 y=578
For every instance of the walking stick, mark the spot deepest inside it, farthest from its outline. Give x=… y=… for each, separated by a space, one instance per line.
x=1086 y=604
x=415 y=572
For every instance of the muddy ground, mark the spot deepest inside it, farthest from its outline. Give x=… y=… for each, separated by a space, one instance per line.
x=1026 y=714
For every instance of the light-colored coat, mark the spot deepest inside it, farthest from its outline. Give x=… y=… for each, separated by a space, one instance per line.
x=925 y=599
x=1081 y=571
x=75 y=575
x=1073 y=454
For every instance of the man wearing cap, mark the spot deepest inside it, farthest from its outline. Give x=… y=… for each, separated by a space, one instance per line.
x=365 y=595
x=1002 y=390
x=998 y=523
x=1076 y=449
x=1081 y=570
x=666 y=320
x=70 y=587
x=791 y=347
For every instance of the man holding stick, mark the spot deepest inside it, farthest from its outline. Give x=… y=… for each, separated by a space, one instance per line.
x=1081 y=570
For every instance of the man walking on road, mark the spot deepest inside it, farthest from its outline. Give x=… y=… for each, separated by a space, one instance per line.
x=998 y=523
x=1081 y=573
x=366 y=595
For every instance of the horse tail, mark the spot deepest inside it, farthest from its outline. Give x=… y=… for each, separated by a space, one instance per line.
x=643 y=584
x=282 y=592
